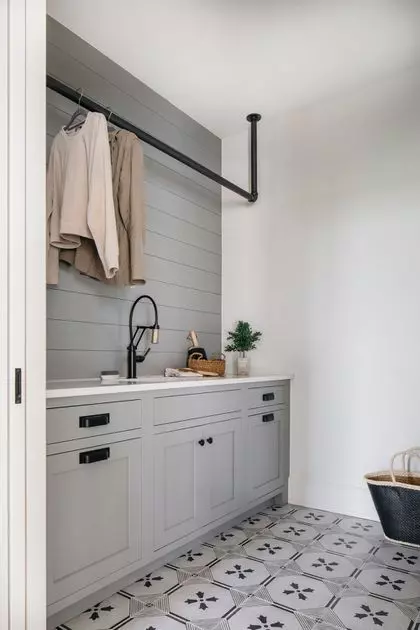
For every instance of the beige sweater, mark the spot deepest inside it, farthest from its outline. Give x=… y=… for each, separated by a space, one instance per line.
x=128 y=187
x=80 y=204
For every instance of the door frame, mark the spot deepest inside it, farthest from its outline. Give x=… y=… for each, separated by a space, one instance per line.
x=22 y=314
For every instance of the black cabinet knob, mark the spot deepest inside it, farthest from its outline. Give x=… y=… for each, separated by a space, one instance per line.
x=201 y=442
x=210 y=440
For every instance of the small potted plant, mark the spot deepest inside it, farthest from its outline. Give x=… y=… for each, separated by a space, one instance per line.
x=242 y=340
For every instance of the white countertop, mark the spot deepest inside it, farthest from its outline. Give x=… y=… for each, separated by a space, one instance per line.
x=93 y=387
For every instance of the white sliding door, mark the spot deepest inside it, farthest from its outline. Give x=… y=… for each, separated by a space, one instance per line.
x=22 y=314
x=4 y=490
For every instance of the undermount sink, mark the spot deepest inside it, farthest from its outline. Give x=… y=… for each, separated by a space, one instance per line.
x=157 y=379
x=144 y=379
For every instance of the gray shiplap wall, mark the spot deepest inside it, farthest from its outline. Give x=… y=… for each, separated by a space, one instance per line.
x=87 y=321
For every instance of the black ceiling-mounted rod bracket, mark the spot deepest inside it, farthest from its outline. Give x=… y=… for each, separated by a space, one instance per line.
x=93 y=106
x=254 y=119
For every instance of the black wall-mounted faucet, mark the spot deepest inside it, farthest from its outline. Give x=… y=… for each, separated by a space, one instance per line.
x=132 y=357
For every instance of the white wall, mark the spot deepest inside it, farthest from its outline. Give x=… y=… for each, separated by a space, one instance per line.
x=327 y=264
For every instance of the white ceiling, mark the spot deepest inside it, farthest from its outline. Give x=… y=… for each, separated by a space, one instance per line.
x=220 y=59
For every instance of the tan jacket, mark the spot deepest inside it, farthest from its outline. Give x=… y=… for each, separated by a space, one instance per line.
x=128 y=190
x=80 y=202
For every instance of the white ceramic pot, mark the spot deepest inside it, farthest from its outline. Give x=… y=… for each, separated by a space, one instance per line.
x=243 y=365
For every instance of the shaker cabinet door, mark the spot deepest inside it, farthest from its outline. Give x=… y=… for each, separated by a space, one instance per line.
x=267 y=452
x=224 y=479
x=177 y=488
x=93 y=515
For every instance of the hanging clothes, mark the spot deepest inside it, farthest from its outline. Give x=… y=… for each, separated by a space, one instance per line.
x=80 y=205
x=128 y=191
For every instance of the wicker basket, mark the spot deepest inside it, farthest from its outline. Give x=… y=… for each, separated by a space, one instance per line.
x=196 y=362
x=396 y=495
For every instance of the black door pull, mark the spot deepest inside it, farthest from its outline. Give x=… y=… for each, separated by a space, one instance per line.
x=97 y=420
x=98 y=455
x=210 y=440
x=269 y=396
x=18 y=386
x=201 y=442
x=268 y=417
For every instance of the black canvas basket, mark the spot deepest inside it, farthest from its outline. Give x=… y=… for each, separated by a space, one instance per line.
x=396 y=495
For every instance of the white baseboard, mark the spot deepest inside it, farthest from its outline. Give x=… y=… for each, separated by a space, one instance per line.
x=333 y=497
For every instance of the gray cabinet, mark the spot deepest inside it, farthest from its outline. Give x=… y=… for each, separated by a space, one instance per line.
x=94 y=520
x=267 y=458
x=130 y=479
x=179 y=484
x=223 y=466
x=198 y=478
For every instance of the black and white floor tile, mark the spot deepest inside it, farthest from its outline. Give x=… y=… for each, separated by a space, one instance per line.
x=314 y=517
x=347 y=545
x=317 y=562
x=358 y=527
x=260 y=615
x=155 y=621
x=256 y=523
x=267 y=548
x=289 y=568
x=241 y=573
x=387 y=583
x=366 y=612
x=195 y=560
x=154 y=585
x=298 y=592
x=109 y=613
x=275 y=511
x=294 y=532
x=399 y=557
x=201 y=602
x=229 y=539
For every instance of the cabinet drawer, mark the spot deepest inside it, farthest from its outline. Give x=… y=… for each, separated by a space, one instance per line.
x=268 y=395
x=73 y=423
x=168 y=409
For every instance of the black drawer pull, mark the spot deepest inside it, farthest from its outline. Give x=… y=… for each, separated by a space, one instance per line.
x=98 y=455
x=98 y=420
x=201 y=442
x=210 y=440
x=269 y=396
x=268 y=417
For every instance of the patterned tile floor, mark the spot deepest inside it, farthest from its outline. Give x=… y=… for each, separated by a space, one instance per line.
x=289 y=568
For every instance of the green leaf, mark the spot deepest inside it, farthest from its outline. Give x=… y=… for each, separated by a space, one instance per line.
x=243 y=338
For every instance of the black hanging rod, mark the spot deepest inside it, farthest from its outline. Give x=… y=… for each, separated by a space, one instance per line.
x=93 y=106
